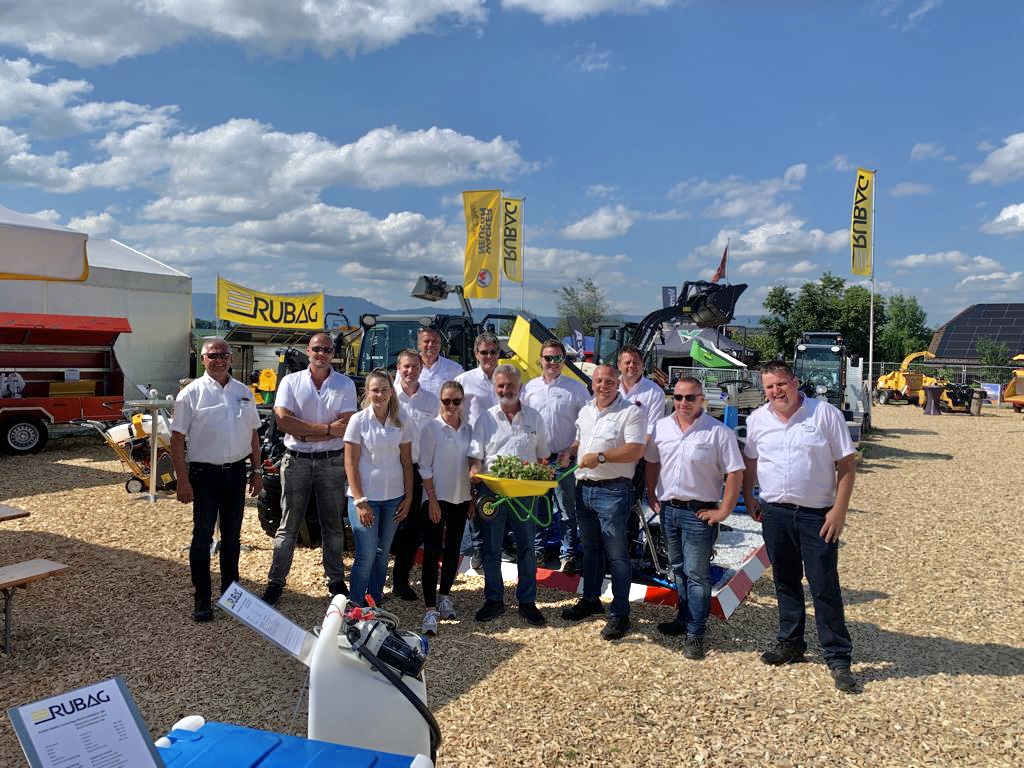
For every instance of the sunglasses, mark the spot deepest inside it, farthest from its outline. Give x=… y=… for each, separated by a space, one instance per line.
x=487 y=352
x=321 y=350
x=553 y=358
x=687 y=398
x=217 y=355
x=451 y=401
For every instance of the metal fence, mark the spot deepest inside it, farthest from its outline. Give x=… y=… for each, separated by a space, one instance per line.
x=712 y=377
x=957 y=374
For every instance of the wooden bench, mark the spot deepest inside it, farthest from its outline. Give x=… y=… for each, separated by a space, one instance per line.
x=21 y=575
x=11 y=513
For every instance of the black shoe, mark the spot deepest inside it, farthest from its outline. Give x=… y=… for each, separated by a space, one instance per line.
x=337 y=588
x=476 y=561
x=844 y=679
x=583 y=609
x=674 y=628
x=570 y=566
x=404 y=592
x=491 y=609
x=508 y=555
x=272 y=594
x=532 y=614
x=694 y=648
x=783 y=653
x=616 y=627
x=202 y=610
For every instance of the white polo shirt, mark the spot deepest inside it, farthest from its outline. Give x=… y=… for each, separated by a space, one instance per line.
x=796 y=459
x=419 y=409
x=218 y=421
x=443 y=454
x=600 y=431
x=479 y=391
x=693 y=462
x=559 y=403
x=648 y=397
x=494 y=435
x=380 y=465
x=441 y=371
x=298 y=393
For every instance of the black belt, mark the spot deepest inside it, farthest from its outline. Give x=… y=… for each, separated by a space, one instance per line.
x=207 y=465
x=606 y=483
x=693 y=505
x=314 y=454
x=798 y=508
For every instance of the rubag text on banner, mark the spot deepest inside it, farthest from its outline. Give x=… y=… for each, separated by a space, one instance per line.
x=861 y=223
x=512 y=238
x=245 y=306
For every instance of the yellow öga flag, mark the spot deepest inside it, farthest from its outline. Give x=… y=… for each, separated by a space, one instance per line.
x=861 y=222
x=481 y=279
x=512 y=238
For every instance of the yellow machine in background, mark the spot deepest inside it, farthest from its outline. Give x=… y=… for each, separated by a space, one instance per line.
x=1013 y=393
x=525 y=343
x=903 y=384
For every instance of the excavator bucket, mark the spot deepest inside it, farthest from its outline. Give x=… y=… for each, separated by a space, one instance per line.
x=710 y=304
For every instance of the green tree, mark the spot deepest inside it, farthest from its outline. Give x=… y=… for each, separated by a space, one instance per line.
x=905 y=330
x=778 y=323
x=995 y=358
x=762 y=343
x=854 y=315
x=586 y=301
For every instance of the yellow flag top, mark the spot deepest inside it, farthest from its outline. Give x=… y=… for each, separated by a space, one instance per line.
x=861 y=222
x=512 y=238
x=268 y=310
x=483 y=217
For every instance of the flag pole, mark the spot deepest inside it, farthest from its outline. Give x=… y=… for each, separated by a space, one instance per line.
x=522 y=256
x=871 y=321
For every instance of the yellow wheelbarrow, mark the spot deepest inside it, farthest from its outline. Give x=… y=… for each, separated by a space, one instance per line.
x=521 y=496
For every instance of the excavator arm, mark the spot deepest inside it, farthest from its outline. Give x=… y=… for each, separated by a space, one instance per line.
x=905 y=365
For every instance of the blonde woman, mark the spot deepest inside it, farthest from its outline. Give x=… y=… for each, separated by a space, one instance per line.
x=378 y=462
x=444 y=447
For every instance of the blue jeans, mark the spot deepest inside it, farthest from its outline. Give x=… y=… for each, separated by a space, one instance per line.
x=689 y=541
x=563 y=514
x=602 y=512
x=373 y=543
x=795 y=547
x=493 y=531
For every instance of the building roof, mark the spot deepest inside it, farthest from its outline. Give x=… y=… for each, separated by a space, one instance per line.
x=112 y=254
x=958 y=339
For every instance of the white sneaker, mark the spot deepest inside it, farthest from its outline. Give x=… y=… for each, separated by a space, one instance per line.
x=430 y=622
x=446 y=606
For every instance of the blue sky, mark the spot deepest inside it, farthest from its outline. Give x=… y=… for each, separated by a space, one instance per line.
x=324 y=144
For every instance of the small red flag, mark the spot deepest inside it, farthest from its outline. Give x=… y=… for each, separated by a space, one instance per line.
x=720 y=273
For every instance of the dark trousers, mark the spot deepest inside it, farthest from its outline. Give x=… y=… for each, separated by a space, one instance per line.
x=410 y=532
x=795 y=548
x=448 y=531
x=216 y=492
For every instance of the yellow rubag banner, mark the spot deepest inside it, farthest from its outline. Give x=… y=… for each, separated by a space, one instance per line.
x=512 y=238
x=483 y=211
x=268 y=310
x=861 y=222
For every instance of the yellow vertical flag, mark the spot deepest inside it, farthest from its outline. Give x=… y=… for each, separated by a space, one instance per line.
x=861 y=236
x=483 y=217
x=512 y=238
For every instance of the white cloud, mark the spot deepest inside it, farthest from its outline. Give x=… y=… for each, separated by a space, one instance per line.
x=1003 y=282
x=102 y=225
x=802 y=267
x=601 y=190
x=573 y=10
x=752 y=268
x=927 y=150
x=841 y=163
x=1009 y=221
x=926 y=7
x=603 y=223
x=909 y=188
x=1002 y=165
x=103 y=31
x=896 y=9
x=958 y=260
x=48 y=214
x=775 y=246
x=590 y=59
x=735 y=197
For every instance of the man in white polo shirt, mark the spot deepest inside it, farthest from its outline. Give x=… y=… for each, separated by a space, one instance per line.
x=217 y=415
x=610 y=437
x=312 y=409
x=688 y=453
x=800 y=452
x=437 y=369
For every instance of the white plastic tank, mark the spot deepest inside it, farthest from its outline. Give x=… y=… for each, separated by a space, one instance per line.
x=122 y=433
x=351 y=703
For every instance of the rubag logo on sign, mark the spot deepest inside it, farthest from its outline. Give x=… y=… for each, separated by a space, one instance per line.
x=267 y=310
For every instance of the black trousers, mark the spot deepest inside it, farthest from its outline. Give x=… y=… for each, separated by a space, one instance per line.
x=449 y=531
x=216 y=492
x=410 y=532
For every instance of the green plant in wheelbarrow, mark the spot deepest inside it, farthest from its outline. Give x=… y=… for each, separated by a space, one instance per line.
x=520 y=484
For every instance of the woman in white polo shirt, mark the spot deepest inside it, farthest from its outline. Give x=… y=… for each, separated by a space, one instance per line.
x=444 y=448
x=378 y=462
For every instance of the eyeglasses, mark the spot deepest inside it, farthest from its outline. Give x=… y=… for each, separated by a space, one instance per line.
x=321 y=350
x=687 y=398
x=553 y=358
x=487 y=352
x=217 y=355
x=451 y=401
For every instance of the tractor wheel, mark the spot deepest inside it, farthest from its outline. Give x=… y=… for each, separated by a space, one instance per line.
x=883 y=396
x=134 y=485
x=23 y=435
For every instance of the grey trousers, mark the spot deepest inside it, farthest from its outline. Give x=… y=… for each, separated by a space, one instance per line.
x=301 y=476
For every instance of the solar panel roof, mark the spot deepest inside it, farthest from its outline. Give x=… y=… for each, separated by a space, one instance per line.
x=1001 y=323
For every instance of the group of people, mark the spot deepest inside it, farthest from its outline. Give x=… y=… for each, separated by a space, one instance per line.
x=410 y=456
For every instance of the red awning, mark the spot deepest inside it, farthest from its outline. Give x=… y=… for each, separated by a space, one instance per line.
x=65 y=330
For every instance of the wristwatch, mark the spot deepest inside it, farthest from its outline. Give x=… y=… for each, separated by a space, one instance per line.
x=360 y=500
x=601 y=458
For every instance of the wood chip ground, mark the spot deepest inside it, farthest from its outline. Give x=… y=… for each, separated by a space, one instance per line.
x=931 y=569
